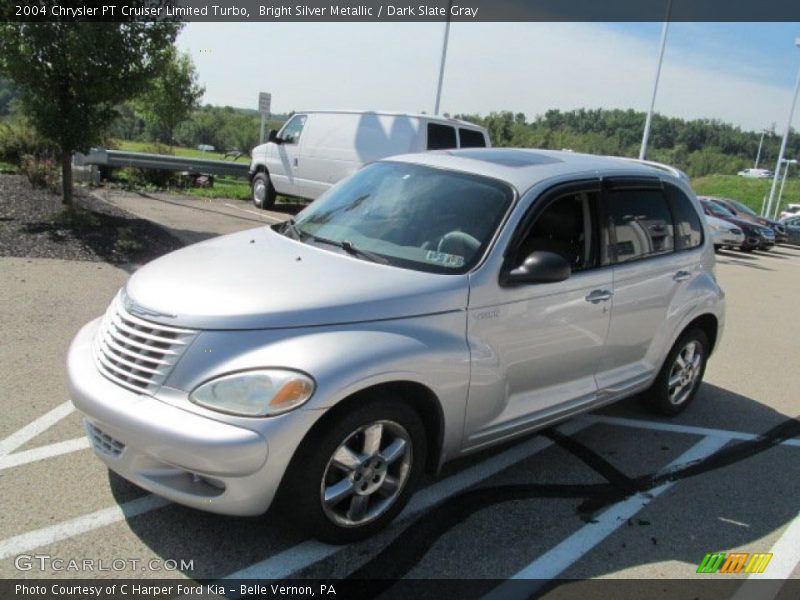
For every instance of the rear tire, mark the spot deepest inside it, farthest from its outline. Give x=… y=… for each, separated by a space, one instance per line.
x=261 y=191
x=680 y=376
x=349 y=481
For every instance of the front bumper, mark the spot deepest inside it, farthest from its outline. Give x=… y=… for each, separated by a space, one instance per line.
x=188 y=458
x=726 y=238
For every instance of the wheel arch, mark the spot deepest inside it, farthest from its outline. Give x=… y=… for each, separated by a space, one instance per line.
x=709 y=324
x=422 y=399
x=259 y=168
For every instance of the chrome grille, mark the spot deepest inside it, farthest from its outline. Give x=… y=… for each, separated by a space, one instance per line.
x=135 y=353
x=103 y=442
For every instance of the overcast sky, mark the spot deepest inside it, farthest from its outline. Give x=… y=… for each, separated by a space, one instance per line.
x=740 y=73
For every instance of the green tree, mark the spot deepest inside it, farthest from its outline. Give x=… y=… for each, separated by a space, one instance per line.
x=70 y=76
x=171 y=96
x=7 y=95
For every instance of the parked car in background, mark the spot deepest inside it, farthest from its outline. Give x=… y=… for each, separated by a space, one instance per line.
x=756 y=173
x=431 y=305
x=756 y=236
x=748 y=214
x=315 y=149
x=790 y=210
x=725 y=234
x=792 y=226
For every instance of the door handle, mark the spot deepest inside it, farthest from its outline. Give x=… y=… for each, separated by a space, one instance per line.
x=681 y=276
x=295 y=162
x=596 y=296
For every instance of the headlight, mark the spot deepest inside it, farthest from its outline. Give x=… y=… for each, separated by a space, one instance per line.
x=255 y=393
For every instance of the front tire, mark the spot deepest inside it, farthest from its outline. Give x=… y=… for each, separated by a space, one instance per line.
x=350 y=481
x=261 y=191
x=680 y=376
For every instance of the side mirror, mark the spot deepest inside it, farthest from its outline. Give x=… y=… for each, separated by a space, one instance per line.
x=539 y=267
x=273 y=137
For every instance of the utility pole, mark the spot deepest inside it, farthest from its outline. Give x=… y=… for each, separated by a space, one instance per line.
x=777 y=174
x=649 y=119
x=444 y=58
x=758 y=154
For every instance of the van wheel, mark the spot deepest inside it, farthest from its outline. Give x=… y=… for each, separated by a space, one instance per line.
x=679 y=379
x=261 y=191
x=353 y=479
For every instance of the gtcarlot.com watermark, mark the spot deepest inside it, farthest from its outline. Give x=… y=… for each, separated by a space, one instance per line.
x=58 y=564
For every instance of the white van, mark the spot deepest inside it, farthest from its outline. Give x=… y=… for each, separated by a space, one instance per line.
x=316 y=148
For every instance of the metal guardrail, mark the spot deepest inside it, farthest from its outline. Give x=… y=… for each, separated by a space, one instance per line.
x=142 y=160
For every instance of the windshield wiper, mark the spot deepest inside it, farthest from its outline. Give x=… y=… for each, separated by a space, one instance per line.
x=348 y=247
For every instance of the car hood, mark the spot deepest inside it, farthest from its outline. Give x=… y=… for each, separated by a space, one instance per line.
x=743 y=224
x=260 y=279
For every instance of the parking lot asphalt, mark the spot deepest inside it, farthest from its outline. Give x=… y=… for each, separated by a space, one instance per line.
x=615 y=494
x=192 y=219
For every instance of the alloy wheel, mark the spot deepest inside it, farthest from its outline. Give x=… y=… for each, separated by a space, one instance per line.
x=366 y=473
x=685 y=372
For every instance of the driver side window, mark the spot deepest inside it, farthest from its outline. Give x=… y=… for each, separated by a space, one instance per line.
x=290 y=134
x=564 y=228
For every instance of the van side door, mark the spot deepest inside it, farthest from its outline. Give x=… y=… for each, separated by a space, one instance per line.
x=282 y=160
x=653 y=238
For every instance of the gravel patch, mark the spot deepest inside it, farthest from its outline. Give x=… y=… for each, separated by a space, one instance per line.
x=32 y=224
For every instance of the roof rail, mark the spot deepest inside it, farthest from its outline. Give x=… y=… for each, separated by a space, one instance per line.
x=663 y=167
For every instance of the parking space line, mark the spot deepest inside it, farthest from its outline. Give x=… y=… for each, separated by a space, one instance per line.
x=674 y=428
x=302 y=554
x=28 y=456
x=258 y=214
x=306 y=553
x=785 y=558
x=31 y=430
x=67 y=529
x=556 y=560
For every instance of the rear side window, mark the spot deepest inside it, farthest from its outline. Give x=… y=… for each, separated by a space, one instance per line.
x=470 y=138
x=641 y=224
x=688 y=229
x=441 y=137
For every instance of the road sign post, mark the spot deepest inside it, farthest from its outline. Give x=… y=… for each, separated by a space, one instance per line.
x=264 y=102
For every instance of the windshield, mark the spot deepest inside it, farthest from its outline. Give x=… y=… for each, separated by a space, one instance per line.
x=718 y=210
x=743 y=208
x=408 y=216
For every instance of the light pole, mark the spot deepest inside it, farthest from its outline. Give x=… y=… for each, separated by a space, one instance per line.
x=444 y=57
x=785 y=138
x=760 y=143
x=783 y=183
x=648 y=120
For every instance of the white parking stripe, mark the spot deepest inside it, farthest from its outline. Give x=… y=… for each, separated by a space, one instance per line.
x=67 y=529
x=300 y=555
x=258 y=214
x=31 y=430
x=21 y=458
x=306 y=553
x=786 y=553
x=556 y=560
x=673 y=428
x=785 y=558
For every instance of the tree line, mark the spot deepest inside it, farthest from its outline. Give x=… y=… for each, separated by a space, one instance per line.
x=78 y=84
x=699 y=146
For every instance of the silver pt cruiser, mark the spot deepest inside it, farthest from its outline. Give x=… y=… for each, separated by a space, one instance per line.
x=429 y=306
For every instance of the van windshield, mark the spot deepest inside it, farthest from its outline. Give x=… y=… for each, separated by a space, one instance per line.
x=408 y=216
